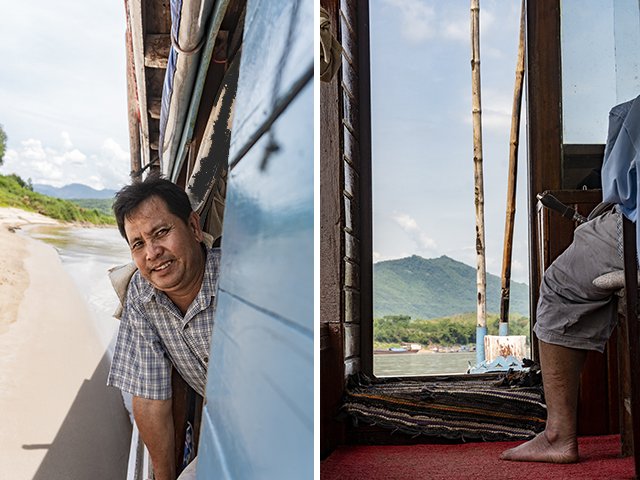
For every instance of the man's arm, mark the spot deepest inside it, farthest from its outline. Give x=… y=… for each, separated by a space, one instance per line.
x=155 y=423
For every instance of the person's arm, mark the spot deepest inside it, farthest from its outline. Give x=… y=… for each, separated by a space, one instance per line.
x=155 y=423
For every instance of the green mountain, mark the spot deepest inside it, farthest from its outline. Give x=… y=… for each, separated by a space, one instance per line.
x=15 y=192
x=73 y=191
x=436 y=287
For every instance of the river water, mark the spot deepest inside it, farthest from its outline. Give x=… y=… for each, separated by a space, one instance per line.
x=422 y=363
x=87 y=254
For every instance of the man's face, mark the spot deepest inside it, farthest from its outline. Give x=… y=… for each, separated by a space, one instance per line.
x=167 y=252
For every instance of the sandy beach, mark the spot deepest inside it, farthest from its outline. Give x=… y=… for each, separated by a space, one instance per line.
x=58 y=419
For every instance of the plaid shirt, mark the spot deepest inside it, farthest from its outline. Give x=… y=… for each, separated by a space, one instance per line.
x=154 y=335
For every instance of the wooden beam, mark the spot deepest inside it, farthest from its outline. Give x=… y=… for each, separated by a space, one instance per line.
x=133 y=108
x=544 y=124
x=363 y=62
x=154 y=140
x=134 y=18
x=154 y=104
x=156 y=50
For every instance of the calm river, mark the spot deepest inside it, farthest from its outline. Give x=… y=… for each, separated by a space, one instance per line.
x=422 y=363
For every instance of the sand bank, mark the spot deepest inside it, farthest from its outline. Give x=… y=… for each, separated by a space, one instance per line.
x=58 y=419
x=13 y=276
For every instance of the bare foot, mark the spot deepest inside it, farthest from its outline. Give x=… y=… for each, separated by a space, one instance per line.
x=540 y=449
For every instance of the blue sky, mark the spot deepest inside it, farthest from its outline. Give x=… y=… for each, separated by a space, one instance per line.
x=422 y=139
x=422 y=132
x=63 y=91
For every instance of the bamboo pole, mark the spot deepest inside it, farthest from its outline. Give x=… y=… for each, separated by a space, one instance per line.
x=481 y=277
x=511 y=182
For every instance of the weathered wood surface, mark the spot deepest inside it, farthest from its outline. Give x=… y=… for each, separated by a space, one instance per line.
x=133 y=109
x=263 y=338
x=154 y=105
x=544 y=132
x=332 y=365
x=156 y=50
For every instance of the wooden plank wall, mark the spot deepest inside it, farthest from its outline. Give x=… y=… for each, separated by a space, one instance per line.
x=331 y=329
x=345 y=193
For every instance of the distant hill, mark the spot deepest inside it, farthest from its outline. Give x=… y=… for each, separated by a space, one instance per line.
x=15 y=192
x=73 y=191
x=102 y=205
x=436 y=287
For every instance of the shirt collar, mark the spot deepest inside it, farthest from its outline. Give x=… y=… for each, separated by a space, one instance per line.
x=148 y=293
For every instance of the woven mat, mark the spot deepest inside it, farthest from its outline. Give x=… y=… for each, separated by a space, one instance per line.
x=490 y=410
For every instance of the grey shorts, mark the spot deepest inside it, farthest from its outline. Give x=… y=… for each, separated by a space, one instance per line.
x=572 y=312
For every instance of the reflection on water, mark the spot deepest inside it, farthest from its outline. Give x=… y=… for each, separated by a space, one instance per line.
x=422 y=363
x=87 y=254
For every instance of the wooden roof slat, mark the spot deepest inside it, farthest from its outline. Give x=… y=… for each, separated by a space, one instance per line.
x=156 y=50
x=154 y=104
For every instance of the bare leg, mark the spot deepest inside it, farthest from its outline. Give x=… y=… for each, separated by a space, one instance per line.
x=558 y=443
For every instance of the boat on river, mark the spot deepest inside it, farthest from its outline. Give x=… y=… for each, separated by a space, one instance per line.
x=404 y=348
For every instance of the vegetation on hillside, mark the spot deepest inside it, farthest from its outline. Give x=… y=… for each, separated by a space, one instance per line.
x=447 y=331
x=102 y=205
x=435 y=288
x=15 y=192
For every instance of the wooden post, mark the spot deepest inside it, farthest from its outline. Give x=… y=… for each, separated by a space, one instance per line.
x=481 y=278
x=133 y=110
x=633 y=329
x=511 y=182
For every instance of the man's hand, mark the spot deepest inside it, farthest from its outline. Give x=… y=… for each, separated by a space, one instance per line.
x=155 y=423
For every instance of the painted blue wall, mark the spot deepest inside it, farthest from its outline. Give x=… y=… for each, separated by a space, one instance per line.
x=258 y=419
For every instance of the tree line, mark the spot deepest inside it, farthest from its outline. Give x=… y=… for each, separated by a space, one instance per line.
x=447 y=331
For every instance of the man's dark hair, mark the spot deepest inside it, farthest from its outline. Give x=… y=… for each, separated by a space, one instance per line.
x=131 y=196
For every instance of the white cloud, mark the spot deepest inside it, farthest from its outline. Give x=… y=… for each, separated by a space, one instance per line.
x=418 y=19
x=406 y=222
x=457 y=30
x=496 y=111
x=106 y=168
x=66 y=139
x=424 y=242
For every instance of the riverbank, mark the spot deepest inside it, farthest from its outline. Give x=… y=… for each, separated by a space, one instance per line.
x=59 y=420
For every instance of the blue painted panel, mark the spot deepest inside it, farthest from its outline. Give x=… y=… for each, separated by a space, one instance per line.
x=258 y=419
x=259 y=412
x=277 y=52
x=260 y=387
x=268 y=228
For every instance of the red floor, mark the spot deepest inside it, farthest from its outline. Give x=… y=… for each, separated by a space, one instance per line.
x=600 y=459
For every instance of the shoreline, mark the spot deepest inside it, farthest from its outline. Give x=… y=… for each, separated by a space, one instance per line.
x=14 y=278
x=59 y=418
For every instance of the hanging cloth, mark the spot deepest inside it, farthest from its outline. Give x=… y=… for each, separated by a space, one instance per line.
x=621 y=157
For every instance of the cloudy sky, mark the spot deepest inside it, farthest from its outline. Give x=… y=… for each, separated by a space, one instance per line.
x=422 y=141
x=63 y=91
x=422 y=132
